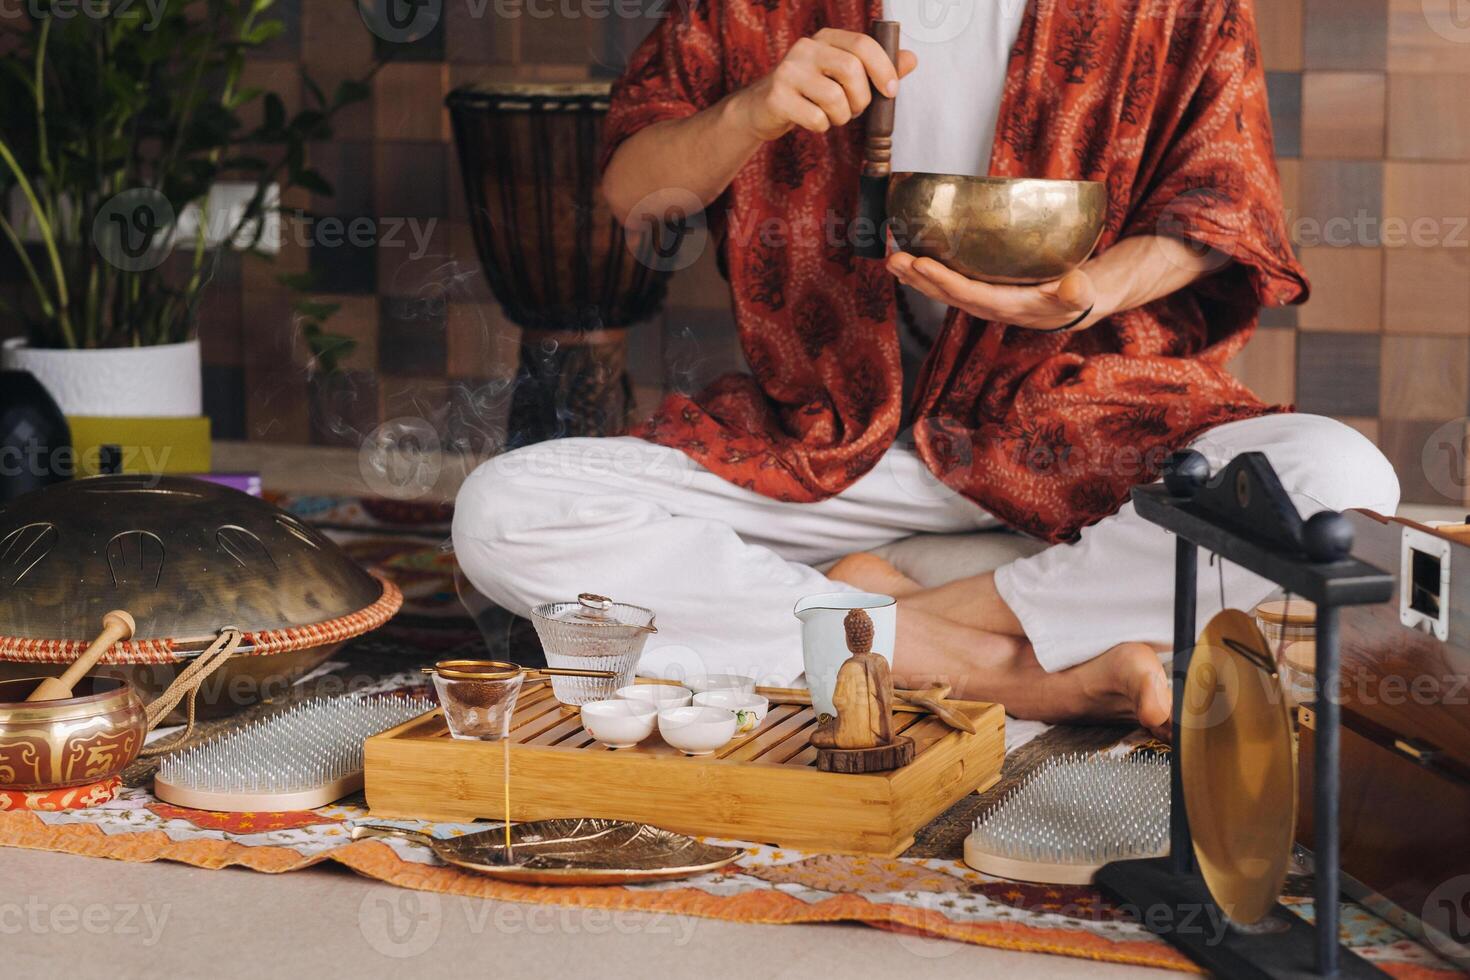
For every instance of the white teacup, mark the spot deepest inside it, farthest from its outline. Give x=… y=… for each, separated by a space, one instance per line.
x=824 y=638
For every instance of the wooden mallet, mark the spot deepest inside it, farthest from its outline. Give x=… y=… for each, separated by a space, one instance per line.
x=117 y=626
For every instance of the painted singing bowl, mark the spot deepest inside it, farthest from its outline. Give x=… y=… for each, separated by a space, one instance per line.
x=187 y=559
x=1005 y=230
x=74 y=741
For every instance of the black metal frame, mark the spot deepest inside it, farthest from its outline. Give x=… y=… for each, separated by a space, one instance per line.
x=1245 y=517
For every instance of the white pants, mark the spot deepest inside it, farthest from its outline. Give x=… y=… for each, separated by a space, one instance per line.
x=722 y=566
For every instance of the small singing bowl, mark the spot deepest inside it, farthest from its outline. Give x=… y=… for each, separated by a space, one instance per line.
x=71 y=741
x=1004 y=230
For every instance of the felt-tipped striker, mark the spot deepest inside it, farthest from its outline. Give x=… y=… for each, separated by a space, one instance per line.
x=870 y=234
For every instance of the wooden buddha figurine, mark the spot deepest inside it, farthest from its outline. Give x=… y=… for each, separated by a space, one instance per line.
x=861 y=738
x=864 y=693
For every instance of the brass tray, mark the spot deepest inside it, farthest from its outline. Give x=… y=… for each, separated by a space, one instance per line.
x=572 y=851
x=1238 y=767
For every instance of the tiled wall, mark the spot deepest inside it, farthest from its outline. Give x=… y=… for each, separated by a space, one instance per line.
x=1372 y=106
x=1371 y=103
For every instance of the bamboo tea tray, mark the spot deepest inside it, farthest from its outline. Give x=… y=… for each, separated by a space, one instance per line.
x=763 y=787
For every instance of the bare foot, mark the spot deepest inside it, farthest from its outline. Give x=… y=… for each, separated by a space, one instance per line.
x=1130 y=677
x=870 y=573
x=1124 y=684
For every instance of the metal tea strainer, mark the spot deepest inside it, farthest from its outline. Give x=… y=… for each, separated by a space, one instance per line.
x=592 y=633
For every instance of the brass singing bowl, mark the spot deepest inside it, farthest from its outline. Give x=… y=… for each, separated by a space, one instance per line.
x=73 y=741
x=1239 y=772
x=1005 y=230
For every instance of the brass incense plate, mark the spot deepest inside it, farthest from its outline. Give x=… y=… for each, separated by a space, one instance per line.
x=572 y=851
x=1238 y=768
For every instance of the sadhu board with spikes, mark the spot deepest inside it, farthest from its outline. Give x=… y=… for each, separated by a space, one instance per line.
x=763 y=787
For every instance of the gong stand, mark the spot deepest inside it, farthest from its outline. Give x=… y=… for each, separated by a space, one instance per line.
x=1243 y=515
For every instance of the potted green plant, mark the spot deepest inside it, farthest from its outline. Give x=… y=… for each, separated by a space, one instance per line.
x=117 y=121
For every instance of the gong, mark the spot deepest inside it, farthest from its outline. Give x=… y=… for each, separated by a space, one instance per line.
x=1238 y=767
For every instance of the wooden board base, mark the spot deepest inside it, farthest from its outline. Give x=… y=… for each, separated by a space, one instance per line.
x=763 y=787
x=879 y=758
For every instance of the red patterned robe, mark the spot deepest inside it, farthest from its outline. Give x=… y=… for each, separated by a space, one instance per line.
x=1165 y=100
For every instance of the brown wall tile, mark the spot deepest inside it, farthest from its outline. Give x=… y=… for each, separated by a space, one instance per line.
x=1427 y=291
x=481 y=342
x=415 y=258
x=335 y=39
x=1337 y=373
x=358 y=319
x=410 y=179
x=1428 y=36
x=1429 y=117
x=1434 y=197
x=1343 y=114
x=475 y=33
x=1430 y=458
x=1341 y=202
x=281 y=77
x=1425 y=377
x=1279 y=23
x=1347 y=290
x=408 y=102
x=1346 y=34
x=1368 y=427
x=1268 y=365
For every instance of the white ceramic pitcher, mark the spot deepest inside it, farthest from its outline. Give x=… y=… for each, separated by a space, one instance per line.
x=824 y=639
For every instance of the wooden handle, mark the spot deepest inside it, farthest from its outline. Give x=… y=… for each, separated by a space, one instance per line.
x=878 y=119
x=932 y=701
x=116 y=627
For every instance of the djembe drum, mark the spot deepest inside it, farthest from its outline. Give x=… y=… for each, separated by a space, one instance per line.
x=553 y=254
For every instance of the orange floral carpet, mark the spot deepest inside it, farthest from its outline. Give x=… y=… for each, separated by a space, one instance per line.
x=924 y=897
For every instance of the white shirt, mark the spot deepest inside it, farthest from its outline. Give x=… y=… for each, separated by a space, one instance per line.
x=949 y=105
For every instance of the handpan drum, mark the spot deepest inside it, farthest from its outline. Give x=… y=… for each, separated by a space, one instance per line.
x=187 y=559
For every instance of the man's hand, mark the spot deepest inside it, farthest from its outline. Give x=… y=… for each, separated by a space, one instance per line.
x=822 y=82
x=1046 y=307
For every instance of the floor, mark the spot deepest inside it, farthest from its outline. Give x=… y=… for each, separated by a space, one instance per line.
x=169 y=918
x=137 y=920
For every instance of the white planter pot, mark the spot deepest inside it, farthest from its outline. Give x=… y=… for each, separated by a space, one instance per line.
x=132 y=382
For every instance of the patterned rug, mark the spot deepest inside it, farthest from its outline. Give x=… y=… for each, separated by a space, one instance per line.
x=929 y=892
